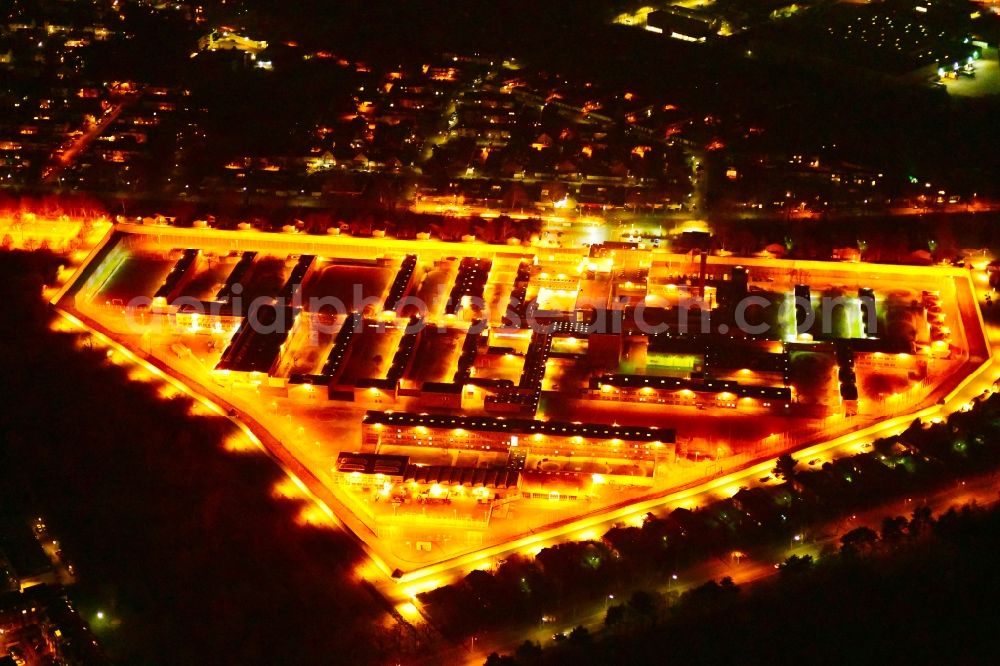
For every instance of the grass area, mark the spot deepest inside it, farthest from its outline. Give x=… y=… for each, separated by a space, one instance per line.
x=265 y=279
x=137 y=276
x=209 y=277
x=371 y=353
x=353 y=286
x=436 y=355
x=435 y=284
x=307 y=351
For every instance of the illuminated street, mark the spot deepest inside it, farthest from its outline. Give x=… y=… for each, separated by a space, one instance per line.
x=432 y=542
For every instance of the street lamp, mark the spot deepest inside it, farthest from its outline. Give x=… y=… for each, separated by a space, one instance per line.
x=670 y=581
x=606 y=599
x=795 y=539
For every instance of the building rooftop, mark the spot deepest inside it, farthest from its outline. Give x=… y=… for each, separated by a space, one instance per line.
x=259 y=339
x=494 y=477
x=520 y=426
x=370 y=463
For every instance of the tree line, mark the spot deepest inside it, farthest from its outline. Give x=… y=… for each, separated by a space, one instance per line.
x=520 y=590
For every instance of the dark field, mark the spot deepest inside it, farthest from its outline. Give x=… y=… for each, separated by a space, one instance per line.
x=179 y=540
x=353 y=287
x=265 y=279
x=209 y=277
x=138 y=276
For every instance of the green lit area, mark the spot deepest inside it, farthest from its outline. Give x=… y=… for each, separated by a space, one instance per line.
x=569 y=346
x=681 y=362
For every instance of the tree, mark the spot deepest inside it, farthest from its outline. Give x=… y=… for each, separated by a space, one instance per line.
x=614 y=616
x=495 y=659
x=921 y=521
x=784 y=467
x=580 y=636
x=528 y=652
x=728 y=586
x=643 y=604
x=795 y=565
x=711 y=595
x=858 y=542
x=893 y=530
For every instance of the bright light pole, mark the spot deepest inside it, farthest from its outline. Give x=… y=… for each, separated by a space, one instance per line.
x=795 y=539
x=606 y=599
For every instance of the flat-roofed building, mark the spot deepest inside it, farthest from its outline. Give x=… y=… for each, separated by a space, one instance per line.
x=497 y=434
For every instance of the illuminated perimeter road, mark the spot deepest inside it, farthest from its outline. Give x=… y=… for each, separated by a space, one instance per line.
x=401 y=590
